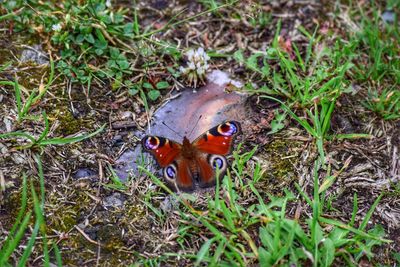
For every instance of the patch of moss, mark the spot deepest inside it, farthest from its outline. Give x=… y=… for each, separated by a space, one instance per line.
x=112 y=228
x=281 y=166
x=6 y=58
x=66 y=215
x=68 y=124
x=65 y=220
x=110 y=237
x=11 y=207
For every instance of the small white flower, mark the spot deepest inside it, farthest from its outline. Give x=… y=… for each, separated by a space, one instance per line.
x=191 y=66
x=200 y=71
x=195 y=56
x=108 y=3
x=190 y=54
x=56 y=27
x=197 y=65
x=182 y=69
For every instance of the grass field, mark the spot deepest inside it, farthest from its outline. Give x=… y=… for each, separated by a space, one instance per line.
x=313 y=178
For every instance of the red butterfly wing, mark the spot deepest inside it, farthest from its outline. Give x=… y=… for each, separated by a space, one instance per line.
x=184 y=178
x=214 y=145
x=180 y=169
x=206 y=172
x=168 y=155
x=164 y=150
x=218 y=140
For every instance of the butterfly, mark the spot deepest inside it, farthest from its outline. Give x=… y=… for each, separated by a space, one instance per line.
x=188 y=164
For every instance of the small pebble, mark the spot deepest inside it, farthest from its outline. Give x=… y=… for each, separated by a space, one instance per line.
x=115 y=200
x=85 y=173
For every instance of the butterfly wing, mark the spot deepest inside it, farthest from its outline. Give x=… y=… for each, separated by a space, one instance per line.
x=213 y=145
x=218 y=140
x=163 y=150
x=179 y=175
x=184 y=177
x=207 y=165
x=168 y=155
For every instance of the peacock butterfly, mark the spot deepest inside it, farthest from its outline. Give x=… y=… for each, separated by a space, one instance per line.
x=189 y=164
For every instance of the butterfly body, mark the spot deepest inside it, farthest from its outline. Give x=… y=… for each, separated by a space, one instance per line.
x=188 y=151
x=190 y=164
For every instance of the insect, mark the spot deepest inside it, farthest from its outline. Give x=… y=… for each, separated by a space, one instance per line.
x=189 y=164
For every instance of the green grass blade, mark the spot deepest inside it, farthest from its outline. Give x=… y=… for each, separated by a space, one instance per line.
x=6 y=65
x=27 y=106
x=7 y=83
x=327 y=253
x=303 y=194
x=6 y=252
x=352 y=229
x=136 y=24
x=46 y=129
x=218 y=252
x=278 y=230
x=228 y=217
x=316 y=211
x=350 y=136
x=18 y=134
x=29 y=247
x=369 y=213
x=70 y=140
x=355 y=209
x=57 y=255
x=204 y=250
x=50 y=81
x=18 y=98
x=21 y=213
x=302 y=122
x=11 y=14
x=41 y=180
x=38 y=208
x=327 y=117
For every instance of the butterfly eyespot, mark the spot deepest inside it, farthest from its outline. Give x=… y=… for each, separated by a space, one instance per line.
x=170 y=171
x=217 y=162
x=227 y=129
x=152 y=142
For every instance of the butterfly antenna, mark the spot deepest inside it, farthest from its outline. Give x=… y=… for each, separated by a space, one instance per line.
x=194 y=127
x=172 y=129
